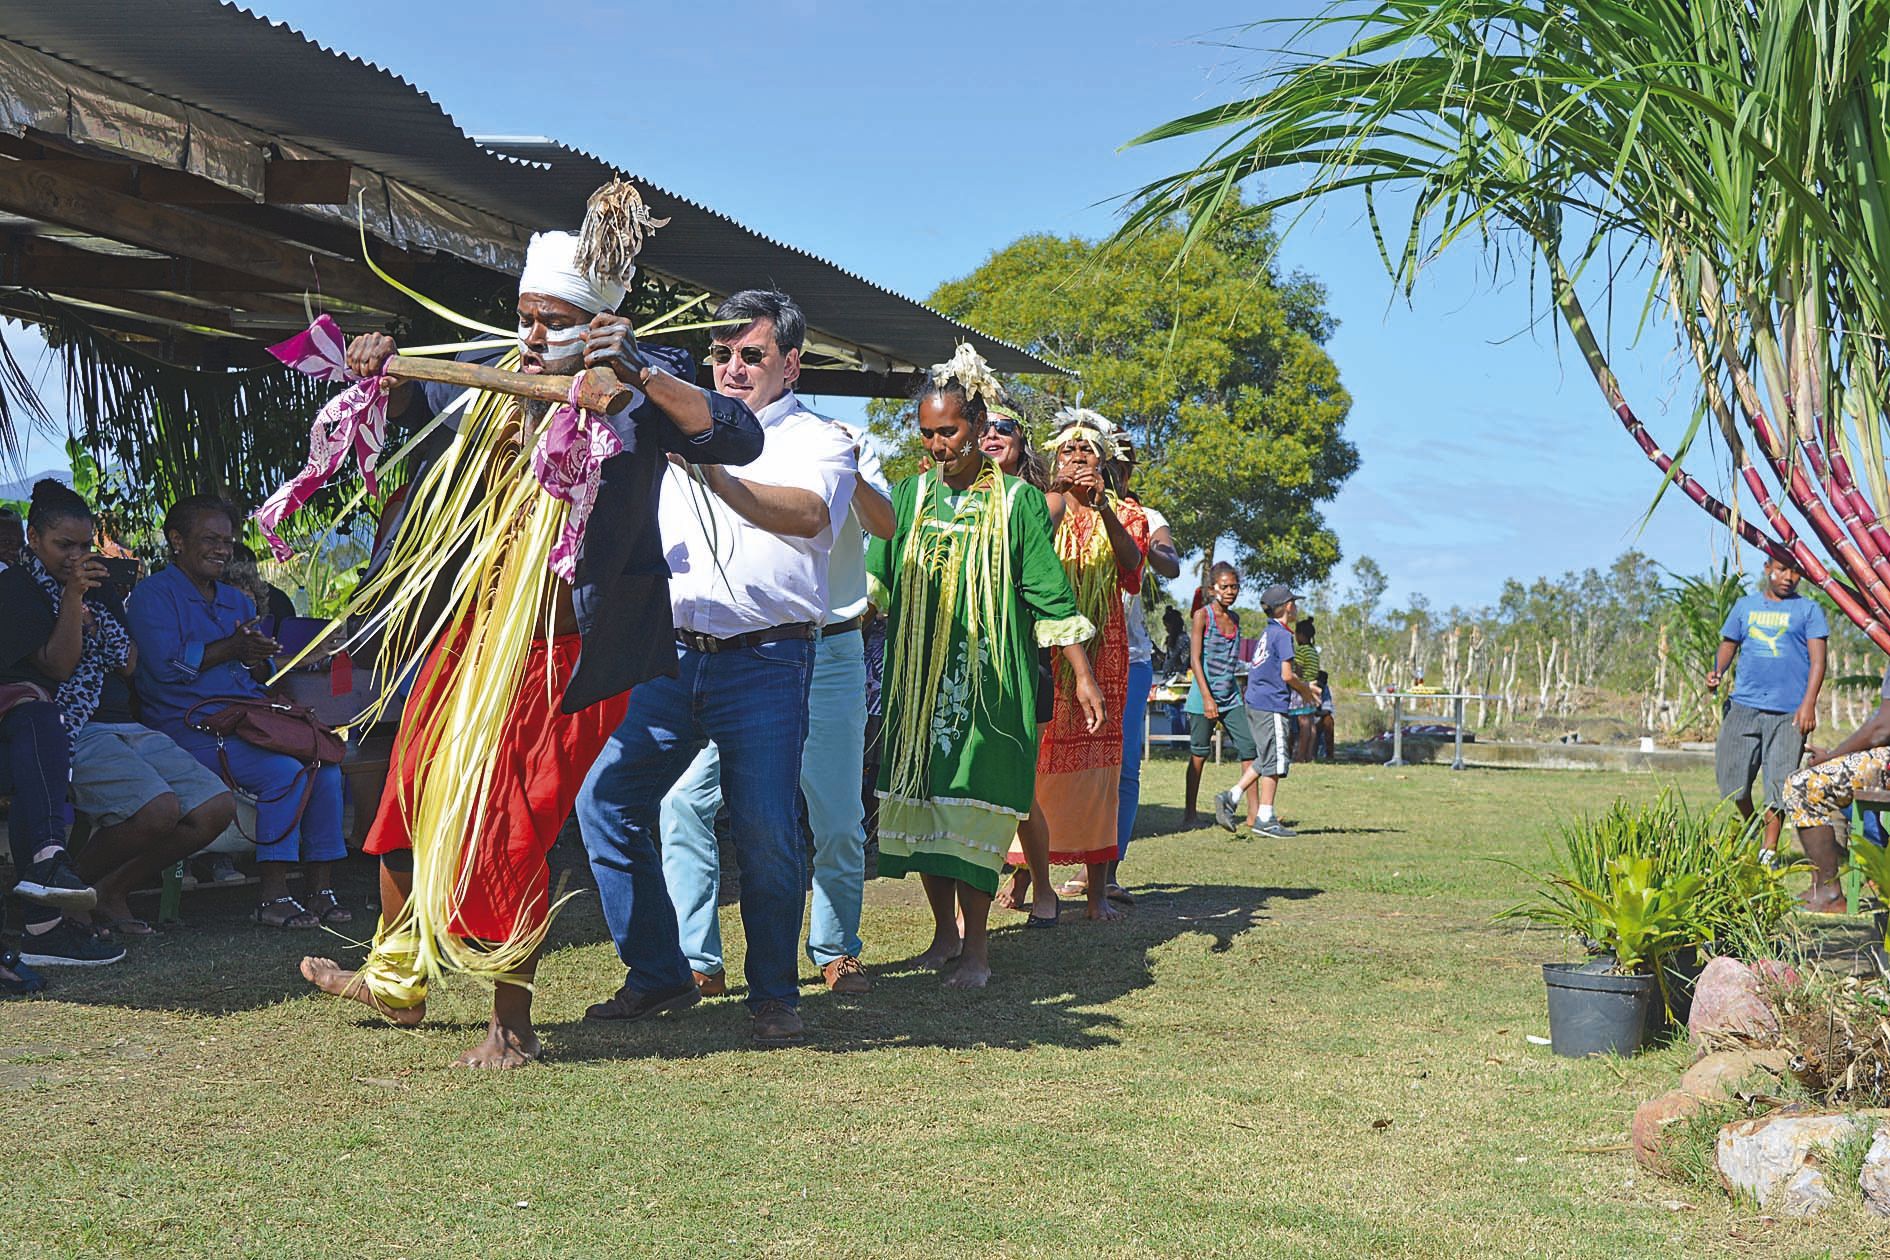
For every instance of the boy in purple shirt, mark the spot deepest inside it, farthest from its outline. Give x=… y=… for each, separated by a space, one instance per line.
x=1272 y=684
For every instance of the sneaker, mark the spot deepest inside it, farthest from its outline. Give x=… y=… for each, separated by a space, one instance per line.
x=1224 y=804
x=68 y=945
x=845 y=976
x=219 y=868
x=1277 y=829
x=52 y=882
x=1768 y=858
x=778 y=1024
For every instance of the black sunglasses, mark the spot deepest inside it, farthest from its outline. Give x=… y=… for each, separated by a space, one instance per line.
x=753 y=356
x=1003 y=428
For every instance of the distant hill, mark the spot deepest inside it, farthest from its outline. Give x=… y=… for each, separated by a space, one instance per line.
x=23 y=489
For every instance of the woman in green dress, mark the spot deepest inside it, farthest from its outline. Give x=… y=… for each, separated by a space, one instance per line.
x=972 y=586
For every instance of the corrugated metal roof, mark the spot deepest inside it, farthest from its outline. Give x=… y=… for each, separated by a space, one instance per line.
x=228 y=61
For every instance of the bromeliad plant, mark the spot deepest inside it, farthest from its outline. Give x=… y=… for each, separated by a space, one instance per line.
x=1731 y=158
x=1639 y=918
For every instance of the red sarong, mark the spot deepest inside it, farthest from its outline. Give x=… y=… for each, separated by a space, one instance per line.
x=542 y=759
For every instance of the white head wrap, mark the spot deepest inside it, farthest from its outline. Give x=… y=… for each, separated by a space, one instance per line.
x=551 y=269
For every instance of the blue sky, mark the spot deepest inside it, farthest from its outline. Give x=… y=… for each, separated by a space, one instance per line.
x=908 y=142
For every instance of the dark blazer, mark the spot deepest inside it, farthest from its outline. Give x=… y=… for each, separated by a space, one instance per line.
x=621 y=594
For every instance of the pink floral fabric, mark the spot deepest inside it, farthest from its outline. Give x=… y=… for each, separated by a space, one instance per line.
x=569 y=463
x=353 y=420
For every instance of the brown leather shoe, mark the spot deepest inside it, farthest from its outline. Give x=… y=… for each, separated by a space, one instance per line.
x=778 y=1024
x=711 y=985
x=845 y=975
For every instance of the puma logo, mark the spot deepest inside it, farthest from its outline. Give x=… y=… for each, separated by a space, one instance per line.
x=1768 y=637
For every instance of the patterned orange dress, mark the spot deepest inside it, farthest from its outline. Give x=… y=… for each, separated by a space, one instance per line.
x=1078 y=770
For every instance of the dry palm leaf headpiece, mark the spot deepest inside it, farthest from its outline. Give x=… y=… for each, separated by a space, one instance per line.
x=968 y=367
x=617 y=222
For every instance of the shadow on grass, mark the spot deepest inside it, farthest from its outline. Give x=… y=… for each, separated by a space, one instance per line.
x=1048 y=987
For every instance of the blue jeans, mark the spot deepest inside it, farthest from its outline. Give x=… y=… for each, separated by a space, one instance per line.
x=830 y=783
x=35 y=770
x=278 y=784
x=753 y=705
x=1134 y=732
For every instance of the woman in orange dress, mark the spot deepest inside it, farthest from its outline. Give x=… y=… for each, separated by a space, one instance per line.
x=1101 y=541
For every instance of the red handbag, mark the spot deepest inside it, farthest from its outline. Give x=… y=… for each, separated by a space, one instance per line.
x=272 y=726
x=14 y=694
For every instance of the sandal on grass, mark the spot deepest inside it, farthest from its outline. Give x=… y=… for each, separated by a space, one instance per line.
x=128 y=927
x=1120 y=895
x=16 y=978
x=327 y=907
x=1073 y=888
x=285 y=912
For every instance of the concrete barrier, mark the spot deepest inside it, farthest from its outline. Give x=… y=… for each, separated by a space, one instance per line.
x=1421 y=750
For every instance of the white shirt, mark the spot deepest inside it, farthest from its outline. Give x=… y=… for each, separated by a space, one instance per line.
x=1141 y=651
x=752 y=579
x=846 y=577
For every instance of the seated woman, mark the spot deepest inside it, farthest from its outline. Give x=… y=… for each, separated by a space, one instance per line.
x=151 y=802
x=198 y=644
x=40 y=644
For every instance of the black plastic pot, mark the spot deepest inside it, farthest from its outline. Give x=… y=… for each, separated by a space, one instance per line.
x=1591 y=1012
x=1682 y=974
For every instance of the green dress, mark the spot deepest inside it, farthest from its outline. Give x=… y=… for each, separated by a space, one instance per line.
x=970 y=597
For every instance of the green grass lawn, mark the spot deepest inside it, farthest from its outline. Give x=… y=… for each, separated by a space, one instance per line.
x=1293 y=1048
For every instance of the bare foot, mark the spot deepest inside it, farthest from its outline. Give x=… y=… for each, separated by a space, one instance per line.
x=110 y=910
x=328 y=976
x=969 y=974
x=1190 y=821
x=503 y=1048
x=1812 y=903
x=941 y=952
x=1101 y=911
x=1012 y=896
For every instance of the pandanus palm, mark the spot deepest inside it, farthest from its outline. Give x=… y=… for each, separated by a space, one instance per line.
x=1738 y=148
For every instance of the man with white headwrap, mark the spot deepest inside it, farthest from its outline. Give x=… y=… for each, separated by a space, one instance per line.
x=610 y=632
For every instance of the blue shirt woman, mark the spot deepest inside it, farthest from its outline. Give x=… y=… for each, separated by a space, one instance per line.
x=196 y=645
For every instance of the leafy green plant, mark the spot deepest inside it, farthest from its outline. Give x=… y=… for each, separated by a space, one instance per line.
x=1733 y=901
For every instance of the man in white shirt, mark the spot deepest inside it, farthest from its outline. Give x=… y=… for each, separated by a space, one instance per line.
x=749 y=565
x=830 y=773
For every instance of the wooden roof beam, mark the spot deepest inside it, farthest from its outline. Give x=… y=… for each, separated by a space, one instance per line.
x=74 y=203
x=43 y=263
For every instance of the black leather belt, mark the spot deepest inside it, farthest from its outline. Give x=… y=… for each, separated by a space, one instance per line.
x=773 y=634
x=843 y=627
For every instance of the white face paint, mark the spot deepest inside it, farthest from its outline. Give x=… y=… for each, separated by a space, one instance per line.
x=560 y=343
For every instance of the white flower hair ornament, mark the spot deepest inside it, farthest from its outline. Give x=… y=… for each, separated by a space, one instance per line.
x=971 y=371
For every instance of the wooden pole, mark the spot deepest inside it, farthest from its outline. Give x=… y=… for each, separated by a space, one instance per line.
x=598 y=389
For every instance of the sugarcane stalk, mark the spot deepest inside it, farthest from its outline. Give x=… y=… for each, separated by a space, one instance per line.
x=1872 y=585
x=1800 y=557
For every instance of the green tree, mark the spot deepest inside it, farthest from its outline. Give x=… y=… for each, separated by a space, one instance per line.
x=1214 y=362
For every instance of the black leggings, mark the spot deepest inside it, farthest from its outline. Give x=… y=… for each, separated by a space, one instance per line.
x=35 y=770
